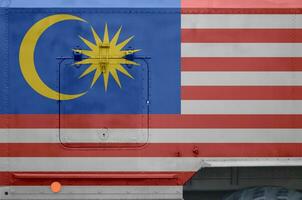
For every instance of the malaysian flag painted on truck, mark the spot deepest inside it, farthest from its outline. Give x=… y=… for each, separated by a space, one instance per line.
x=136 y=96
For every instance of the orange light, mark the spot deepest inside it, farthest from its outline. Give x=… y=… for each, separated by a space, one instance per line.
x=55 y=187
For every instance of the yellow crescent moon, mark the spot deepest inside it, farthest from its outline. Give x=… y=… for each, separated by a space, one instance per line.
x=27 y=52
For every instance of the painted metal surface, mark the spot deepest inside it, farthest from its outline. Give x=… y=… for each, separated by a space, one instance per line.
x=221 y=87
x=95 y=192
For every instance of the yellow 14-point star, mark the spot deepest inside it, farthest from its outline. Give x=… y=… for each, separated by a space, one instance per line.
x=106 y=57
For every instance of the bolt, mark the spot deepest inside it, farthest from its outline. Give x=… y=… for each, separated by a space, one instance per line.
x=195 y=150
x=178 y=154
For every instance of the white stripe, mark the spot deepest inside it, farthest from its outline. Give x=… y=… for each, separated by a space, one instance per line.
x=241 y=21
x=122 y=164
x=104 y=135
x=241 y=50
x=94 y=192
x=241 y=78
x=29 y=135
x=252 y=162
x=113 y=164
x=241 y=107
x=73 y=135
x=161 y=135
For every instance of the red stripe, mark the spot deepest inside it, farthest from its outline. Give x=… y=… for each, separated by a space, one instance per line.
x=155 y=121
x=241 y=64
x=73 y=121
x=30 y=121
x=241 y=4
x=241 y=35
x=10 y=178
x=235 y=10
x=157 y=150
x=241 y=92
